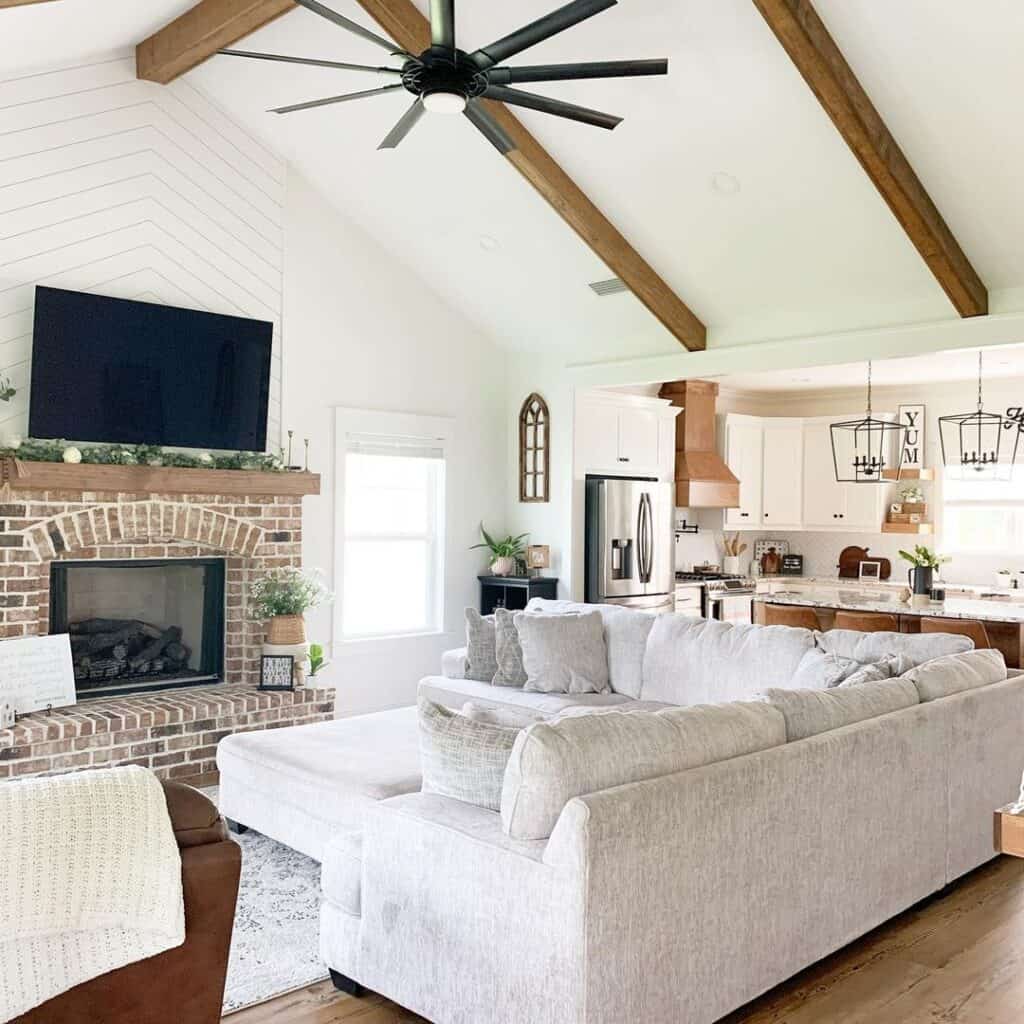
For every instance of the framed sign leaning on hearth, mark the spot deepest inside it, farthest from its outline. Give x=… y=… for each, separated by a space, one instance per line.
x=36 y=673
x=277 y=672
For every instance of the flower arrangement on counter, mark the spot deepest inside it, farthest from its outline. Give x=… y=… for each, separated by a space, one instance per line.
x=35 y=450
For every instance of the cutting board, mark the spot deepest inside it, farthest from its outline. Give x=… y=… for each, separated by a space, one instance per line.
x=850 y=559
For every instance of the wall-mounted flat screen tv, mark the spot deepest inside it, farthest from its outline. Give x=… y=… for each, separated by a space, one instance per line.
x=122 y=372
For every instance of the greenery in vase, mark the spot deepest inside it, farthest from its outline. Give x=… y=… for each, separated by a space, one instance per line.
x=924 y=558
x=508 y=547
x=316 y=658
x=287 y=592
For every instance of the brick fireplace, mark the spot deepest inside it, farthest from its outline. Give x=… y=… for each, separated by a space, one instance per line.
x=119 y=516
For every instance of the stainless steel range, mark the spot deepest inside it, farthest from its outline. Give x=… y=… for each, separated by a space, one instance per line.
x=715 y=595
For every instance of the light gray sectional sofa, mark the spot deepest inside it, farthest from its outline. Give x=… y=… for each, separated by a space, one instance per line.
x=672 y=862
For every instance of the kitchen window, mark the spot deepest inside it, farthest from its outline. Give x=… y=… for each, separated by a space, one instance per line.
x=982 y=516
x=390 y=505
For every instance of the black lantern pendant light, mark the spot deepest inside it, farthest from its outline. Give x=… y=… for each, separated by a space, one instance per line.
x=863 y=449
x=972 y=443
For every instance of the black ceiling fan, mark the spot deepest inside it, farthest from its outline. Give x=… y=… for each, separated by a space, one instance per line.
x=445 y=79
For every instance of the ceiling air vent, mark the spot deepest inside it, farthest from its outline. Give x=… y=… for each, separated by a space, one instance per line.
x=613 y=286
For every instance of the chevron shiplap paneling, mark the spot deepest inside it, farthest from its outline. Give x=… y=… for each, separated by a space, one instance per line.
x=139 y=191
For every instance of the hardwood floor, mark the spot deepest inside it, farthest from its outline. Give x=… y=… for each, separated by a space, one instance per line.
x=956 y=959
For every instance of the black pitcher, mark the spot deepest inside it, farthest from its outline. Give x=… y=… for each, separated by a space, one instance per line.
x=920 y=579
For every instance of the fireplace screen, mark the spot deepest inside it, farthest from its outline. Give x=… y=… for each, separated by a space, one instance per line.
x=140 y=625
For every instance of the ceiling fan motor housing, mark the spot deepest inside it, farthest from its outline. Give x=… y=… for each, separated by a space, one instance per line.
x=443 y=70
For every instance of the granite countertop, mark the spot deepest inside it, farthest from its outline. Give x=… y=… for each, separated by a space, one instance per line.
x=865 y=601
x=896 y=583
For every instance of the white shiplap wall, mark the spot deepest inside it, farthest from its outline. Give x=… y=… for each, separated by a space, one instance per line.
x=124 y=188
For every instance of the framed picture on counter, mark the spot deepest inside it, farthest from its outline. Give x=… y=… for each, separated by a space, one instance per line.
x=870 y=570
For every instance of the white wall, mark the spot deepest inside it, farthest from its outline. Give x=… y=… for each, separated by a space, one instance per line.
x=125 y=188
x=363 y=331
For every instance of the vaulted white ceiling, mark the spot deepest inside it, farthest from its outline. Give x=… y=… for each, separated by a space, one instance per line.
x=805 y=246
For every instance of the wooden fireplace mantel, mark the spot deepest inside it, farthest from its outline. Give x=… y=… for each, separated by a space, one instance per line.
x=54 y=476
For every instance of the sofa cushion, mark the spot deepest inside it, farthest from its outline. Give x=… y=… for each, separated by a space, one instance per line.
x=509 y=651
x=463 y=759
x=481 y=656
x=330 y=772
x=809 y=712
x=625 y=632
x=821 y=670
x=341 y=876
x=704 y=661
x=872 y=647
x=453 y=693
x=955 y=673
x=453 y=663
x=510 y=718
x=554 y=761
x=563 y=653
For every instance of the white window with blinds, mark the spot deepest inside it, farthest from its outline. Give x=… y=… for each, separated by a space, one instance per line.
x=390 y=506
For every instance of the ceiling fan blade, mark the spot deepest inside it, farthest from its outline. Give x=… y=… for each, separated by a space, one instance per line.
x=340 y=20
x=539 y=30
x=312 y=62
x=550 y=106
x=442 y=23
x=406 y=123
x=565 y=72
x=489 y=128
x=310 y=104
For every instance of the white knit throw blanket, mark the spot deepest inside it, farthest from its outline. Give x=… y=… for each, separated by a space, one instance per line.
x=90 y=880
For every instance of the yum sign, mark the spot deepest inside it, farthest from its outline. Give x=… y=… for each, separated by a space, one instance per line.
x=912 y=417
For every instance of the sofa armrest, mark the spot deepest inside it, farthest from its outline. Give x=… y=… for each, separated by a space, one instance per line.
x=453 y=664
x=194 y=817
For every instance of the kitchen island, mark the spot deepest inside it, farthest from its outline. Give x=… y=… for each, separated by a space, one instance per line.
x=1003 y=619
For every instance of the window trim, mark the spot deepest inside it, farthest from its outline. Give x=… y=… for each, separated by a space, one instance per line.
x=436 y=431
x=945 y=504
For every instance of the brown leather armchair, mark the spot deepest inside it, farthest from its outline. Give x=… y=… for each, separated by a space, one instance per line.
x=183 y=985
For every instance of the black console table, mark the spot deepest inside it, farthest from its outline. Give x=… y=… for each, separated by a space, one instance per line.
x=513 y=592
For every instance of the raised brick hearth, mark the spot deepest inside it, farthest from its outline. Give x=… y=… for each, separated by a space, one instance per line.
x=147 y=513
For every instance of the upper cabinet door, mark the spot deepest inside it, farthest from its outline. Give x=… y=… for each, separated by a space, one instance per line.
x=863 y=507
x=824 y=499
x=597 y=438
x=638 y=440
x=782 y=502
x=743 y=454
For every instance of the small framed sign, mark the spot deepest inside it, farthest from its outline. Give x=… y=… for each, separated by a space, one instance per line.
x=36 y=673
x=870 y=570
x=277 y=672
x=912 y=417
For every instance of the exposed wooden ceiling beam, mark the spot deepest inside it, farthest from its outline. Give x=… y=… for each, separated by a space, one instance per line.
x=213 y=24
x=20 y=3
x=805 y=38
x=200 y=32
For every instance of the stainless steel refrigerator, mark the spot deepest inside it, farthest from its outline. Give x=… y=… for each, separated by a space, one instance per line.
x=629 y=547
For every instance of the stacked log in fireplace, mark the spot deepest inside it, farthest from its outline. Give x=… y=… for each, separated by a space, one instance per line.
x=105 y=649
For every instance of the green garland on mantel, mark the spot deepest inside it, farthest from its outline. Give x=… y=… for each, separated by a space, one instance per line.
x=34 y=450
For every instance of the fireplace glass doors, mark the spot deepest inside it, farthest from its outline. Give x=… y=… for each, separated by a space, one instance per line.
x=140 y=625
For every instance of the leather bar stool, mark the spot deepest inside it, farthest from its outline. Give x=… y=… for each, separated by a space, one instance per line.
x=790 y=615
x=961 y=627
x=866 y=622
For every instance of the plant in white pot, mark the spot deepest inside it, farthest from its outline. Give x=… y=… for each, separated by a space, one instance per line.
x=282 y=597
x=504 y=552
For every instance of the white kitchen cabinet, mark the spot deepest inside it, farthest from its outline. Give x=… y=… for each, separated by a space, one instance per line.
x=625 y=435
x=744 y=442
x=782 y=474
x=828 y=504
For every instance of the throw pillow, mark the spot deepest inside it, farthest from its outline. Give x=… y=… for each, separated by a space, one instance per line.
x=481 y=652
x=888 y=668
x=943 y=677
x=510 y=718
x=563 y=653
x=463 y=759
x=509 y=654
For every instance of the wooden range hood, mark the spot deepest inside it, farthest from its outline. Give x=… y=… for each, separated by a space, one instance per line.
x=703 y=480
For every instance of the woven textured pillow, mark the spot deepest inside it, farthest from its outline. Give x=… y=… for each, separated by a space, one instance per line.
x=509 y=653
x=564 y=653
x=463 y=759
x=481 y=647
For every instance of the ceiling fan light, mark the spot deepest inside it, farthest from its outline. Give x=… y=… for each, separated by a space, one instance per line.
x=444 y=102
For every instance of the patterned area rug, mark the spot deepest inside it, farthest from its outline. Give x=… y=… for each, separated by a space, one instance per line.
x=275 y=945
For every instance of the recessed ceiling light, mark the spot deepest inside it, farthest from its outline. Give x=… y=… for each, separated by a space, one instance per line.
x=488 y=244
x=725 y=184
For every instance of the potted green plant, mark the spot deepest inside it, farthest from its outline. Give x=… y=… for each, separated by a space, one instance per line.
x=504 y=552
x=923 y=563
x=282 y=597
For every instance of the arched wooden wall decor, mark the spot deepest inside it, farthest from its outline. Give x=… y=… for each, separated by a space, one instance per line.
x=534 y=450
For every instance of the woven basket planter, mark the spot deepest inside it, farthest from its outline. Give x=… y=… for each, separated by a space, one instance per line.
x=286 y=629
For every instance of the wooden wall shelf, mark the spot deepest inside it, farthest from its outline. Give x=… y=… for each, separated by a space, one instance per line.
x=59 y=476
x=908 y=474
x=918 y=528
